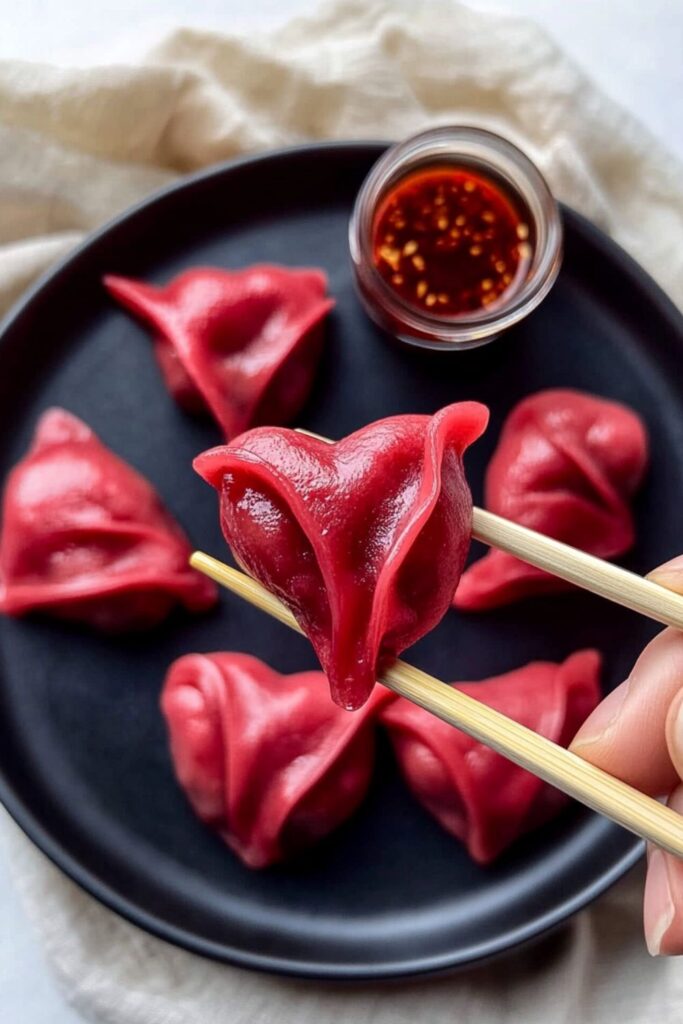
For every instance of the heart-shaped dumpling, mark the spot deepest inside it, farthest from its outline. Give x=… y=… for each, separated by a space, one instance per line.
x=267 y=760
x=566 y=465
x=360 y=539
x=478 y=795
x=85 y=537
x=242 y=344
x=364 y=539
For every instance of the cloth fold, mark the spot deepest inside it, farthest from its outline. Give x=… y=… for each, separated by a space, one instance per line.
x=595 y=970
x=77 y=147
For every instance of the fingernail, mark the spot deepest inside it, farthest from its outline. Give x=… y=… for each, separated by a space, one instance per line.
x=659 y=907
x=669 y=575
x=599 y=723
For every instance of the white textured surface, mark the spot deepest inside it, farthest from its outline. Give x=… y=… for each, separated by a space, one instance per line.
x=28 y=994
x=632 y=49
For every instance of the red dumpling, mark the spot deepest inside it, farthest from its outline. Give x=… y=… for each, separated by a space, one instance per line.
x=85 y=537
x=243 y=344
x=566 y=465
x=478 y=795
x=364 y=539
x=267 y=760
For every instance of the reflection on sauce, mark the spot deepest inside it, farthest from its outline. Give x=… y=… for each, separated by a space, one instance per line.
x=450 y=242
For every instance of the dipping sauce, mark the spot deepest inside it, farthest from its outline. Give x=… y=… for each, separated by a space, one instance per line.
x=450 y=241
x=455 y=237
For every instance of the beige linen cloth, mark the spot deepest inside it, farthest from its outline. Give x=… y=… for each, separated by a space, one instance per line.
x=77 y=146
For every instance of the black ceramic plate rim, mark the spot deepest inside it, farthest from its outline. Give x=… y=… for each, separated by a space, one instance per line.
x=50 y=844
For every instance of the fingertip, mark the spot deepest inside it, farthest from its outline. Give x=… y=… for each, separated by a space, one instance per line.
x=625 y=735
x=663 y=899
x=596 y=730
x=669 y=575
x=658 y=906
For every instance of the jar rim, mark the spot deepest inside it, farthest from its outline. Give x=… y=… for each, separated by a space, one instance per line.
x=486 y=151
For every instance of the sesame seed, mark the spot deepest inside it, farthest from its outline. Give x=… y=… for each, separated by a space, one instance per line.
x=488 y=217
x=460 y=220
x=524 y=250
x=500 y=266
x=409 y=248
x=443 y=298
x=475 y=250
x=390 y=256
x=486 y=284
x=430 y=300
x=442 y=223
x=418 y=263
x=522 y=231
x=422 y=289
x=398 y=278
x=469 y=186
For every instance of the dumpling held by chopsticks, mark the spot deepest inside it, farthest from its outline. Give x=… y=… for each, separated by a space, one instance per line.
x=364 y=539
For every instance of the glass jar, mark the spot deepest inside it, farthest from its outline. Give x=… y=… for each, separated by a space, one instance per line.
x=500 y=166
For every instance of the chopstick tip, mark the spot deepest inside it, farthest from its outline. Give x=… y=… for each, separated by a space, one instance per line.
x=199 y=560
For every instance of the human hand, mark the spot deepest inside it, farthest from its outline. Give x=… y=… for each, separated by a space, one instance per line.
x=636 y=733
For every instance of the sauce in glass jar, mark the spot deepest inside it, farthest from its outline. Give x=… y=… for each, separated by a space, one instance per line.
x=450 y=241
x=454 y=237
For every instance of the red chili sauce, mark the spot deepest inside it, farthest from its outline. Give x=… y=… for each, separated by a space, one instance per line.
x=450 y=242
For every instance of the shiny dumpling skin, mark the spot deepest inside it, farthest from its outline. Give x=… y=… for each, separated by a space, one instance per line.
x=567 y=465
x=243 y=345
x=476 y=794
x=363 y=539
x=85 y=537
x=267 y=760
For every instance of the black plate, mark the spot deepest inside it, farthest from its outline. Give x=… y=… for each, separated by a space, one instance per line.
x=83 y=759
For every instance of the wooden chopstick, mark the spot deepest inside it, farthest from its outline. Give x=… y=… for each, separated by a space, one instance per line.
x=561 y=768
x=585 y=571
